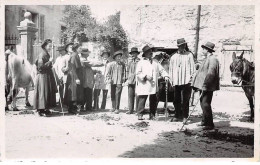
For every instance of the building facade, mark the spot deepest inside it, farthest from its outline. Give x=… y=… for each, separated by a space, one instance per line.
x=48 y=21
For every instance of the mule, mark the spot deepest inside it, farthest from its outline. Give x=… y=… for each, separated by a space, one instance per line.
x=243 y=73
x=19 y=74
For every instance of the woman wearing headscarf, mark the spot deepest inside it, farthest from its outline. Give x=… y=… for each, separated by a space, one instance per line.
x=45 y=86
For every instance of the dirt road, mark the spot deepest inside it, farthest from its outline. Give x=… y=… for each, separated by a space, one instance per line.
x=102 y=134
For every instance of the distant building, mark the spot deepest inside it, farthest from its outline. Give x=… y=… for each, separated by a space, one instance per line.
x=47 y=19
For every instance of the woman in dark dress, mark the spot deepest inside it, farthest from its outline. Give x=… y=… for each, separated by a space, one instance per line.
x=45 y=86
x=76 y=74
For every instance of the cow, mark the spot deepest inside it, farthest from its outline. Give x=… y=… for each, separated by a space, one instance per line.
x=19 y=73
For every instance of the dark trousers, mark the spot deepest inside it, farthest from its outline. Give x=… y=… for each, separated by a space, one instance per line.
x=152 y=104
x=131 y=97
x=61 y=91
x=116 y=90
x=87 y=98
x=182 y=95
x=104 y=99
x=205 y=103
x=96 y=98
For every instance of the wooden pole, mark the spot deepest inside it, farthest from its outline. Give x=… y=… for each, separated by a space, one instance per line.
x=197 y=33
x=196 y=46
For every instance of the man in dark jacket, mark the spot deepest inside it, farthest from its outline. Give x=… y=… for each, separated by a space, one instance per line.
x=207 y=81
x=131 y=80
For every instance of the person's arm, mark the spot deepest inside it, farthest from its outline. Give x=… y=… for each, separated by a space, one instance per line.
x=139 y=72
x=124 y=73
x=212 y=70
x=43 y=63
x=192 y=65
x=162 y=72
x=108 y=74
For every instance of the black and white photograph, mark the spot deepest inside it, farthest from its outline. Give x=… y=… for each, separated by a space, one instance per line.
x=111 y=80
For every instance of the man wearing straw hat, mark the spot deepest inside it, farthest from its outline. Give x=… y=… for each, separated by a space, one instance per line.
x=116 y=76
x=147 y=73
x=207 y=81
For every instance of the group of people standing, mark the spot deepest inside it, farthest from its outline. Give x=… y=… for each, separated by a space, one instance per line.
x=78 y=77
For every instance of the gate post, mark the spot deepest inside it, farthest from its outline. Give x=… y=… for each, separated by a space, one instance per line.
x=27 y=30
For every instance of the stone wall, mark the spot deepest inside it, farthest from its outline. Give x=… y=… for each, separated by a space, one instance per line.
x=52 y=23
x=163 y=25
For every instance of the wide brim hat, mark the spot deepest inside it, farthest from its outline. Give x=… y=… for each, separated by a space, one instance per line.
x=134 y=50
x=60 y=48
x=66 y=46
x=85 y=50
x=8 y=51
x=209 y=45
x=46 y=42
x=181 y=41
x=108 y=53
x=145 y=49
x=119 y=52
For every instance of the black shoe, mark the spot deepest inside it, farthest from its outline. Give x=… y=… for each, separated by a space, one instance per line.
x=208 y=127
x=174 y=119
x=71 y=111
x=47 y=113
x=27 y=104
x=152 y=117
x=201 y=124
x=40 y=112
x=129 y=112
x=140 y=117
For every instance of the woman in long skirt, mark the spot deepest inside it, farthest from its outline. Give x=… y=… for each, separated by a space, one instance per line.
x=45 y=86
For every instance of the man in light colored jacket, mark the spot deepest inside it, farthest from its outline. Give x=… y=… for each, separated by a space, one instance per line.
x=181 y=70
x=147 y=73
x=58 y=70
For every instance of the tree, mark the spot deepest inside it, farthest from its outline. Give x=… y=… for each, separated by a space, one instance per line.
x=81 y=26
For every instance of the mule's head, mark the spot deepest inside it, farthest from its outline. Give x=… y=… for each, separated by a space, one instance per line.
x=237 y=68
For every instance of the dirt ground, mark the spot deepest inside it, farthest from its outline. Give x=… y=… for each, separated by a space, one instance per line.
x=102 y=134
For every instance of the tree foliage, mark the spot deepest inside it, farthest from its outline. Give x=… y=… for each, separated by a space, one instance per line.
x=83 y=27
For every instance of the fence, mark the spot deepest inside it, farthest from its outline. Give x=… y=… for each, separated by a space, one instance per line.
x=11 y=40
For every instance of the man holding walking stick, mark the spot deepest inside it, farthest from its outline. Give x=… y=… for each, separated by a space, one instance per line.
x=207 y=81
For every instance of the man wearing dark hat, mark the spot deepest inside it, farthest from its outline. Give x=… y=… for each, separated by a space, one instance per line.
x=147 y=73
x=131 y=80
x=207 y=81
x=116 y=75
x=181 y=70
x=88 y=78
x=57 y=67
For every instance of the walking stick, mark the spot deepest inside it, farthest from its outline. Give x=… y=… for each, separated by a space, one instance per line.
x=58 y=92
x=55 y=78
x=166 y=100
x=192 y=110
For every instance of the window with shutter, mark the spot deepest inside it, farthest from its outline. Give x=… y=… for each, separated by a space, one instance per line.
x=41 y=28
